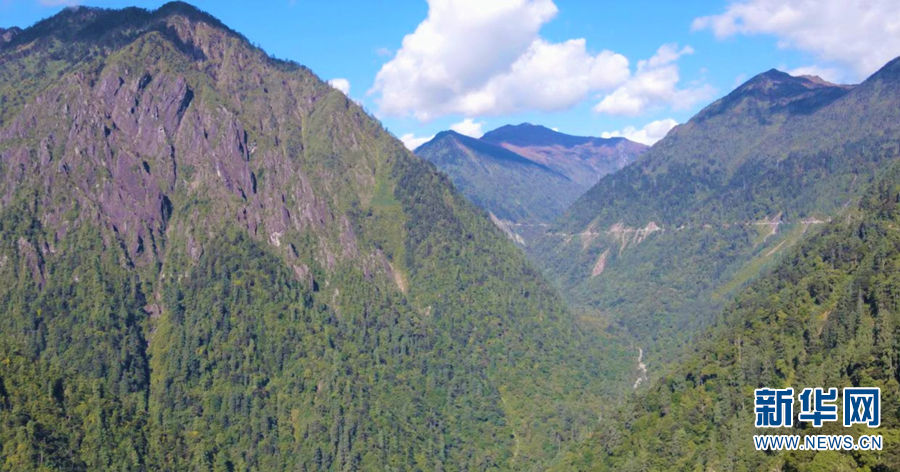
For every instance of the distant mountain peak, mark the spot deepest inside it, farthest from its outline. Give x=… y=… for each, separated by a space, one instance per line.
x=182 y=7
x=526 y=173
x=776 y=83
x=441 y=136
x=7 y=34
x=776 y=91
x=167 y=9
x=190 y=12
x=446 y=133
x=490 y=150
x=110 y=27
x=527 y=134
x=528 y=126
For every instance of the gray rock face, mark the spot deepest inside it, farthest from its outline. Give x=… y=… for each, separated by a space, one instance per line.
x=7 y=35
x=134 y=139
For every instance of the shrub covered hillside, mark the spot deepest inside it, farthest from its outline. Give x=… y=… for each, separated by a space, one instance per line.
x=660 y=247
x=827 y=316
x=212 y=260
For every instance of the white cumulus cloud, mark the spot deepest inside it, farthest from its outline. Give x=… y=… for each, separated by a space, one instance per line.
x=477 y=57
x=341 y=84
x=655 y=83
x=649 y=134
x=468 y=127
x=861 y=35
x=412 y=142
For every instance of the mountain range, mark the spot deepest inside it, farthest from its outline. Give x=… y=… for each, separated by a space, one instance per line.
x=526 y=176
x=661 y=246
x=213 y=260
x=583 y=159
x=753 y=247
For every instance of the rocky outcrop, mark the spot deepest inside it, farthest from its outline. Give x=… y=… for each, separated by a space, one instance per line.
x=190 y=117
x=7 y=35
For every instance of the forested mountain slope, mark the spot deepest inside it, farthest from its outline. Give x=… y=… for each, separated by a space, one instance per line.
x=509 y=186
x=828 y=315
x=526 y=175
x=212 y=260
x=661 y=245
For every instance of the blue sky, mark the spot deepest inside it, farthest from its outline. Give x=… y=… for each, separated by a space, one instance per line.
x=581 y=66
